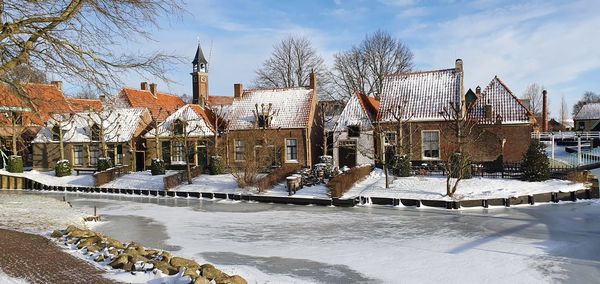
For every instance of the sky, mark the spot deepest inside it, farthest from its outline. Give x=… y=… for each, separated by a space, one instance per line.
x=552 y=43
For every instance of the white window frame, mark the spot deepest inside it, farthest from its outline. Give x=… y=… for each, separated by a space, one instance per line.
x=241 y=144
x=75 y=160
x=93 y=155
x=178 y=155
x=290 y=160
x=423 y=144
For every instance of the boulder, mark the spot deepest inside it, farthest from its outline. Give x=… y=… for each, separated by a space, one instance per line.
x=211 y=273
x=180 y=261
x=92 y=248
x=89 y=241
x=192 y=272
x=235 y=279
x=135 y=250
x=56 y=234
x=201 y=280
x=165 y=267
x=78 y=233
x=166 y=256
x=71 y=228
x=110 y=242
x=99 y=258
x=119 y=262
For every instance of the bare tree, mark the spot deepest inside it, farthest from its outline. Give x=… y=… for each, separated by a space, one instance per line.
x=533 y=93
x=588 y=97
x=25 y=74
x=363 y=67
x=75 y=39
x=60 y=123
x=564 y=113
x=290 y=65
x=458 y=161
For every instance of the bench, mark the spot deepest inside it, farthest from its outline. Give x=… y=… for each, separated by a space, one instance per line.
x=89 y=170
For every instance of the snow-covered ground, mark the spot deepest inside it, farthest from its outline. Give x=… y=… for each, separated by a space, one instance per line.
x=5 y=279
x=139 y=180
x=268 y=243
x=434 y=188
x=49 y=178
x=37 y=214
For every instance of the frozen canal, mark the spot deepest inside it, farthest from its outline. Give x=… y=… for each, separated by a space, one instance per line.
x=293 y=244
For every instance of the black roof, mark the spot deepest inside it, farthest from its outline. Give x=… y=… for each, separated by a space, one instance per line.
x=199 y=58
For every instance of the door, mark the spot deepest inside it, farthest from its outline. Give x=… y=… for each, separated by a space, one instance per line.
x=202 y=155
x=347 y=153
x=140 y=161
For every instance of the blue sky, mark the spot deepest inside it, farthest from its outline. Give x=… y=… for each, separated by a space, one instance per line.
x=553 y=43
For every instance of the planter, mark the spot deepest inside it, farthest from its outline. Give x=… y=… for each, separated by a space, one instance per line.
x=15 y=164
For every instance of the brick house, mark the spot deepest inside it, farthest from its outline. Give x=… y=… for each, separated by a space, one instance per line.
x=160 y=104
x=413 y=117
x=354 y=133
x=121 y=129
x=83 y=105
x=587 y=118
x=279 y=119
x=28 y=109
x=188 y=128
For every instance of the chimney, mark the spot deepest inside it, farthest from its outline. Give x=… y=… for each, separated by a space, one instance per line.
x=153 y=89
x=478 y=91
x=238 y=90
x=313 y=81
x=489 y=111
x=144 y=86
x=544 y=111
x=458 y=65
x=58 y=85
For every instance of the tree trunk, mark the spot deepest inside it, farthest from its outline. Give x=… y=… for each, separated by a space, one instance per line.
x=61 y=143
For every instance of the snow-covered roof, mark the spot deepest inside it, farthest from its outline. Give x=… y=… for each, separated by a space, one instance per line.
x=196 y=118
x=290 y=108
x=359 y=111
x=421 y=96
x=120 y=125
x=588 y=111
x=503 y=104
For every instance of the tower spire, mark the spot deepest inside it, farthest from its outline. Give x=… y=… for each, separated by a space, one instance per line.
x=199 y=78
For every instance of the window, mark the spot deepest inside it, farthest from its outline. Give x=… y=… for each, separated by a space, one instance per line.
x=431 y=144
x=94 y=153
x=178 y=155
x=78 y=155
x=56 y=133
x=389 y=143
x=166 y=151
x=354 y=131
x=17 y=118
x=390 y=138
x=239 y=150
x=178 y=127
x=95 y=132
x=118 y=155
x=581 y=125
x=291 y=150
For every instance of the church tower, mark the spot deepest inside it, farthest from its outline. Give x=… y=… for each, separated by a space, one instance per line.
x=199 y=78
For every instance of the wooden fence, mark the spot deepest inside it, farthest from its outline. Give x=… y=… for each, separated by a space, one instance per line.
x=276 y=176
x=342 y=183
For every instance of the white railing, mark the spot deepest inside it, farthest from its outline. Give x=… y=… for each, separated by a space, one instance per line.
x=581 y=157
x=584 y=135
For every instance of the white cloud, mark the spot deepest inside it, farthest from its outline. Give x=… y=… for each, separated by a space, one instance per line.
x=398 y=2
x=548 y=44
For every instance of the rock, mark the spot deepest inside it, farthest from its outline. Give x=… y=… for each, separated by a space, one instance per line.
x=92 y=248
x=235 y=279
x=165 y=267
x=201 y=280
x=56 y=234
x=180 y=261
x=135 y=250
x=211 y=273
x=89 y=241
x=113 y=251
x=71 y=228
x=77 y=233
x=110 y=242
x=191 y=272
x=119 y=261
x=128 y=266
x=166 y=256
x=100 y=258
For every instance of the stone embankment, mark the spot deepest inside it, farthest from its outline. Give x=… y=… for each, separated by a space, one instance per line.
x=135 y=258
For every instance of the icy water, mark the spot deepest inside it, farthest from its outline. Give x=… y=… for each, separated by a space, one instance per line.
x=269 y=243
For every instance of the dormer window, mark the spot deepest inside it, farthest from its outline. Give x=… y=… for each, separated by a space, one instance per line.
x=353 y=131
x=264 y=120
x=56 y=133
x=95 y=132
x=178 y=127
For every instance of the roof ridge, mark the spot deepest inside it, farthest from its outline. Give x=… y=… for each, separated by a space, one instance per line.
x=496 y=78
x=276 y=89
x=158 y=93
x=419 y=72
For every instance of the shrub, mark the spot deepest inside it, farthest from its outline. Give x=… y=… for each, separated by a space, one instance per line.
x=157 y=167
x=461 y=166
x=342 y=183
x=535 y=166
x=401 y=165
x=217 y=166
x=15 y=164
x=62 y=168
x=104 y=164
